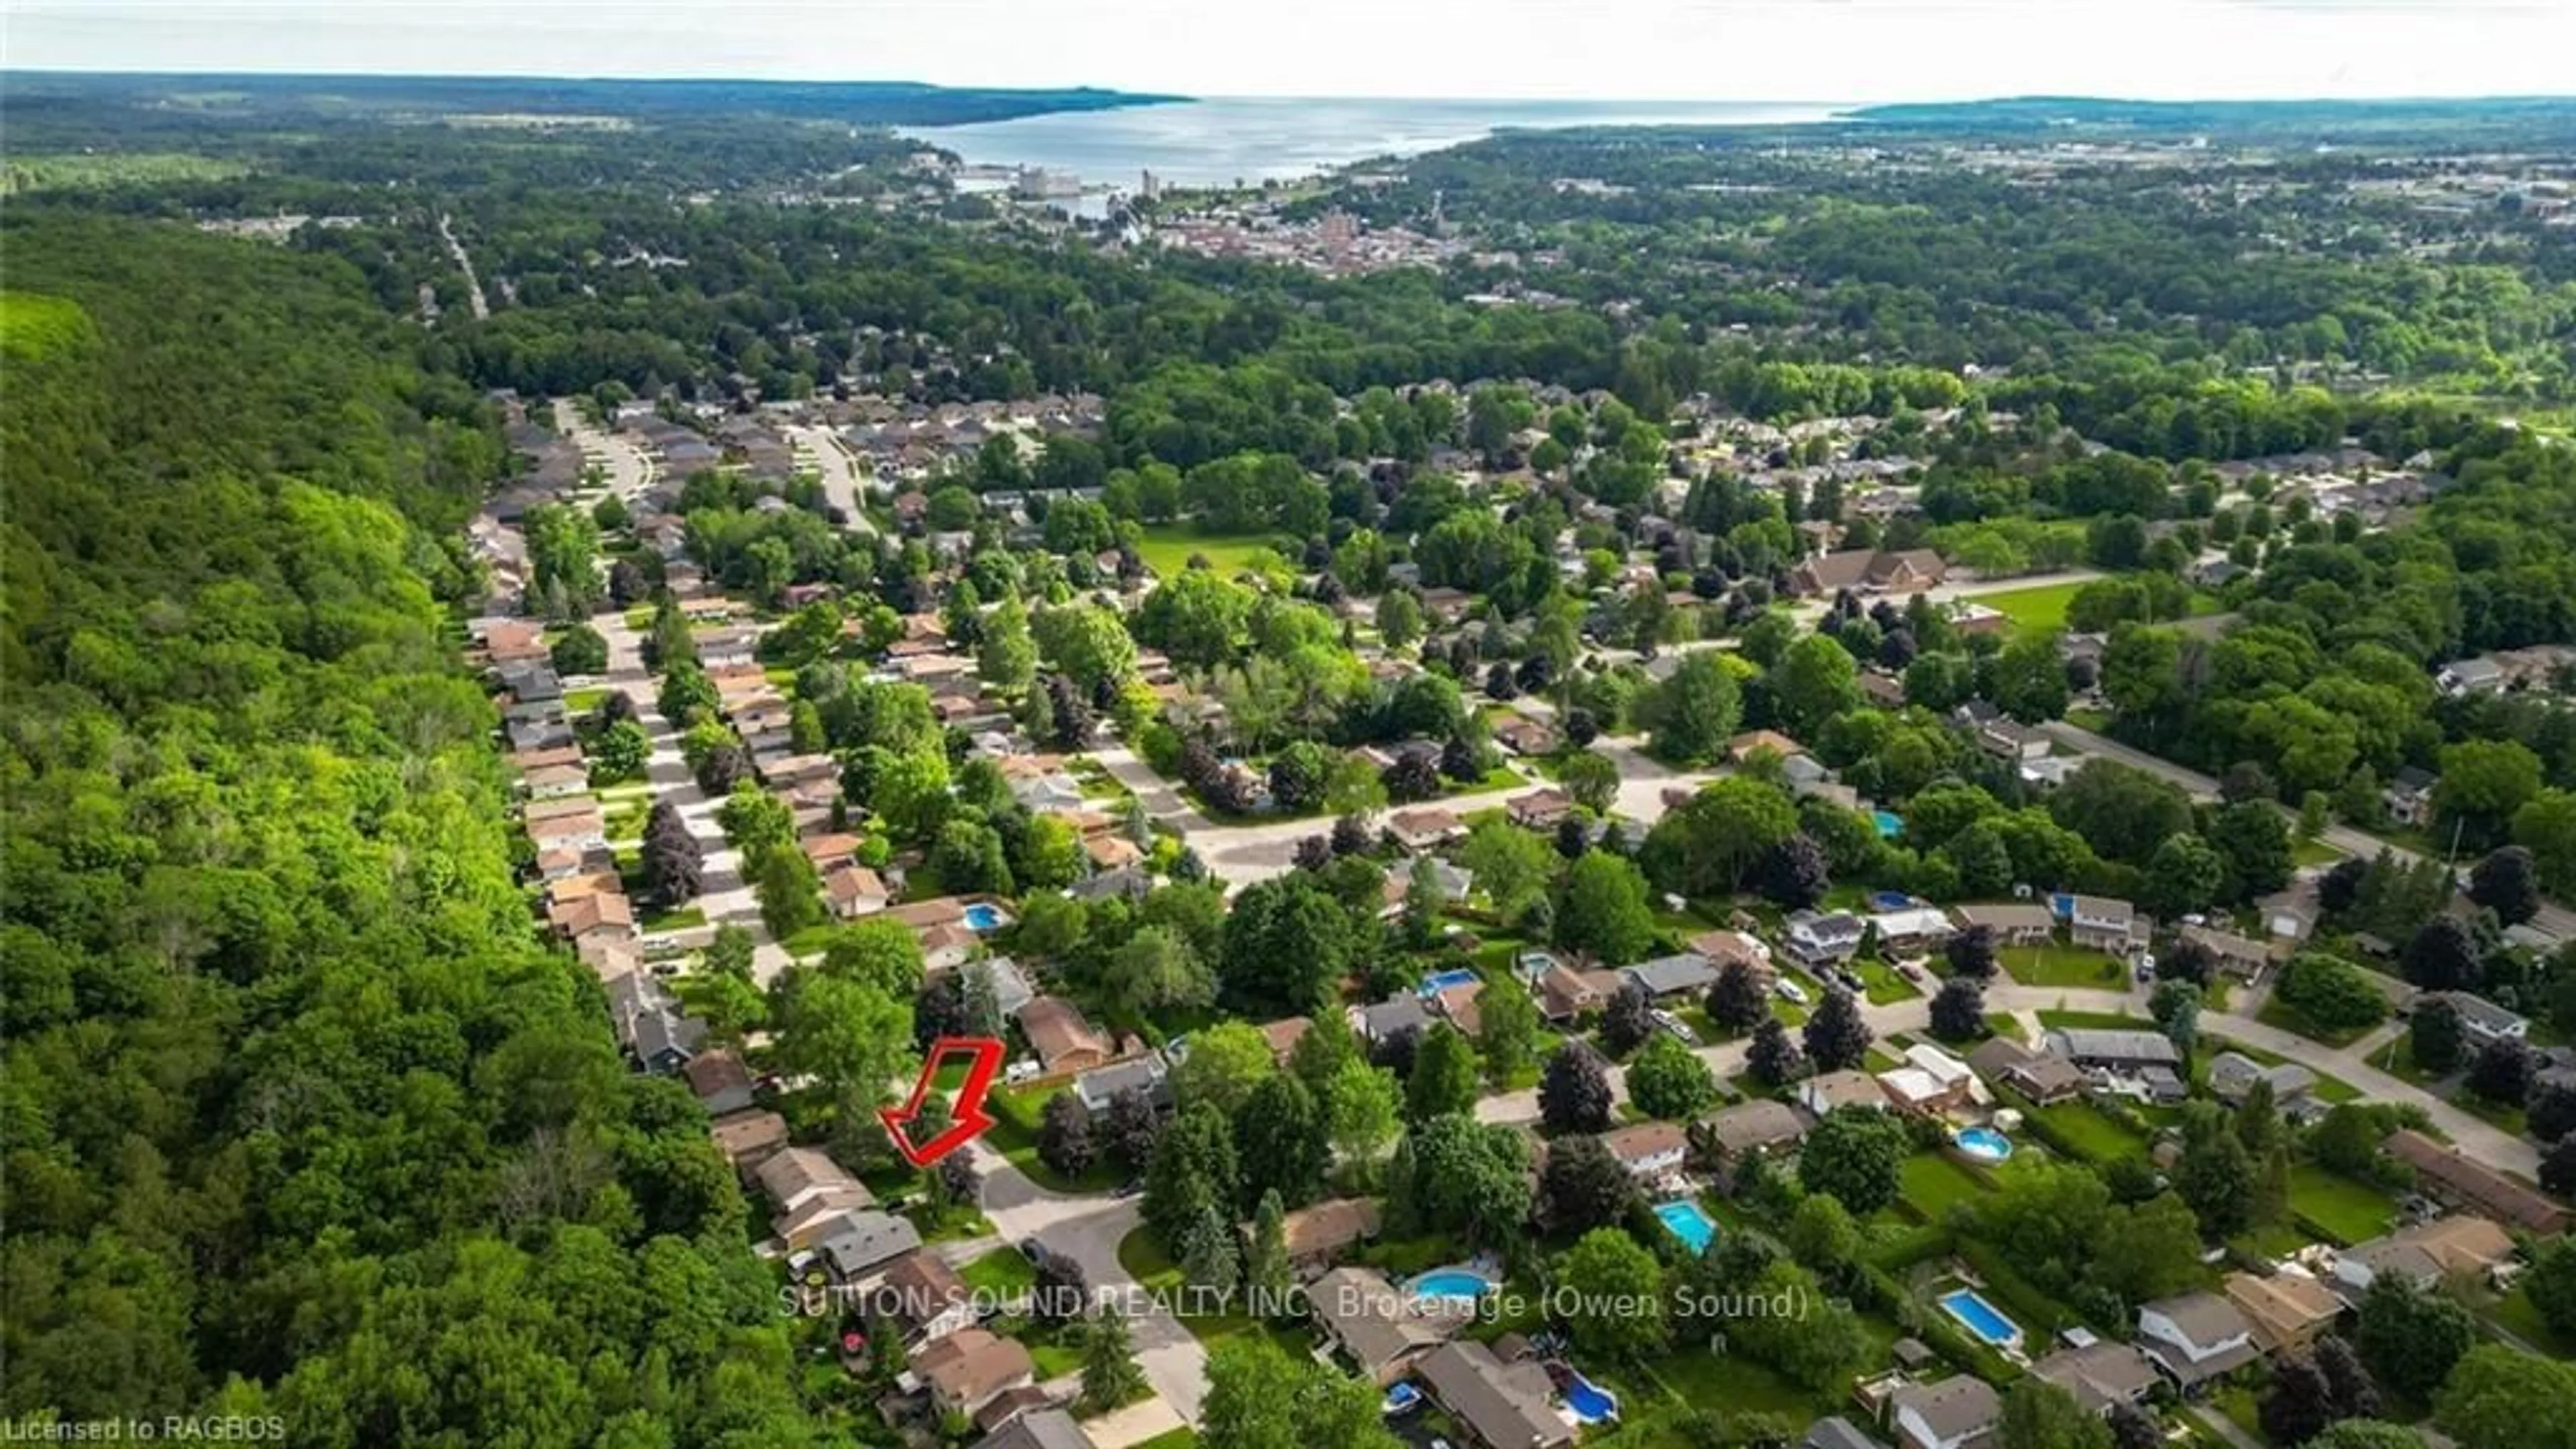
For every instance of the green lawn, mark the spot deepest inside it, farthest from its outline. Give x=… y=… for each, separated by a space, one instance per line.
x=2085 y=1128
x=2313 y=852
x=583 y=701
x=2055 y=964
x=1000 y=1274
x=2042 y=606
x=2515 y=1315
x=1934 y=1180
x=2350 y=1211
x=2277 y=1012
x=1883 y=984
x=1705 y=1379
x=1014 y=1134
x=680 y=920
x=1167 y=548
x=2104 y=1020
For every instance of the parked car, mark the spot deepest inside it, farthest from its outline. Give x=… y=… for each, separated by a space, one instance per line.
x=1677 y=1027
x=1789 y=990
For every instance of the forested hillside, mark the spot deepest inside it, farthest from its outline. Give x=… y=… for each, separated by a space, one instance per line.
x=300 y=1118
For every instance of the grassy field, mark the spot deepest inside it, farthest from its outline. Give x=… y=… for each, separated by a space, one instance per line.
x=1167 y=549
x=2060 y=965
x=2042 y=606
x=2353 y=1212
x=1884 y=984
x=1000 y=1274
x=1145 y=1260
x=101 y=172
x=32 y=326
x=2313 y=852
x=2277 y=1012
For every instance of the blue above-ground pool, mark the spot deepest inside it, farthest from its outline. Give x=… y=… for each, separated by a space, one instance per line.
x=1982 y=1144
x=1453 y=1284
x=1890 y=824
x=986 y=916
x=1439 y=981
x=1689 y=1222
x=1590 y=1402
x=1981 y=1318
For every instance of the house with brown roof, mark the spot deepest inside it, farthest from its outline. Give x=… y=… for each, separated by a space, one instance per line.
x=2449 y=1174
x=720 y=1080
x=921 y=1294
x=1753 y=742
x=1063 y=1038
x=2460 y=1246
x=969 y=1368
x=1539 y=809
x=1284 y=1034
x=1731 y=1136
x=2013 y=924
x=1565 y=994
x=2288 y=1310
x=1525 y=736
x=1648 y=1149
x=1317 y=1236
x=748 y=1139
x=1826 y=1091
x=2100 y=1374
x=1501 y=1405
x=2043 y=1078
x=2234 y=954
x=1375 y=1327
x=1878 y=571
x=853 y=891
x=1426 y=827
x=604 y=911
x=922 y=915
x=800 y=1175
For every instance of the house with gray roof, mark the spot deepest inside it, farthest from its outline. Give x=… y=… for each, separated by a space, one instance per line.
x=1689 y=974
x=2099 y=1374
x=1956 y=1413
x=867 y=1240
x=1391 y=1018
x=1038 y=1429
x=2196 y=1337
x=1504 y=1406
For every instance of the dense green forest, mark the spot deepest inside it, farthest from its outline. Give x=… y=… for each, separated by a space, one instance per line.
x=300 y=1117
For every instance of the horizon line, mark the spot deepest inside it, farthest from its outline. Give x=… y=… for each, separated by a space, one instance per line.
x=1176 y=97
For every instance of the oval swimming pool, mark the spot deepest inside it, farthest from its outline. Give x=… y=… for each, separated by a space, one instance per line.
x=1450 y=1283
x=1982 y=1144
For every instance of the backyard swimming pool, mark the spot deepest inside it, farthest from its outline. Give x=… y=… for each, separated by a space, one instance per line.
x=1453 y=1284
x=1689 y=1222
x=1590 y=1402
x=986 y=916
x=1982 y=1144
x=1439 y=981
x=1890 y=824
x=1981 y=1318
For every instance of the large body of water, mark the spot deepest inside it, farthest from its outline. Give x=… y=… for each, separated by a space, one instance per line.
x=1220 y=142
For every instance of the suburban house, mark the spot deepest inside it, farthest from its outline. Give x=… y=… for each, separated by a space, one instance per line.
x=969 y=1368
x=1686 y=976
x=1525 y=736
x=2288 y=1309
x=1504 y=1406
x=1959 y=1412
x=2235 y=955
x=2099 y=1374
x=2446 y=1173
x=1881 y=571
x=1815 y=938
x=2011 y=924
x=1565 y=993
x=1373 y=1325
x=2042 y=1078
x=2233 y=1074
x=1284 y=1034
x=1063 y=1038
x=720 y=1080
x=2006 y=738
x=1737 y=948
x=2196 y=1337
x=922 y=1295
x=2469 y=676
x=1930 y=1082
x=2111 y=927
x=853 y=891
x=801 y=1175
x=2146 y=1058
x=865 y=1241
x=1823 y=1093
x=1730 y=1136
x=1098 y=1088
x=1837 y=1432
x=1317 y=1236
x=1426 y=828
x=1386 y=1020
x=649 y=1023
x=2481 y=1020
x=1539 y=809
x=2462 y=1245
x=1648 y=1149
x=1912 y=930
x=2409 y=797
x=747 y=1139
x=1753 y=742
x=1038 y=1429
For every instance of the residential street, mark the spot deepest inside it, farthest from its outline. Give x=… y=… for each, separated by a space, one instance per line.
x=1089 y=1230
x=838 y=470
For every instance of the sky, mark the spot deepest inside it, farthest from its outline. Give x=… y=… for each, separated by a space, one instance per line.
x=1713 y=50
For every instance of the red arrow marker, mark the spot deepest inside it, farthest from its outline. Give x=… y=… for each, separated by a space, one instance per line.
x=967 y=1117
